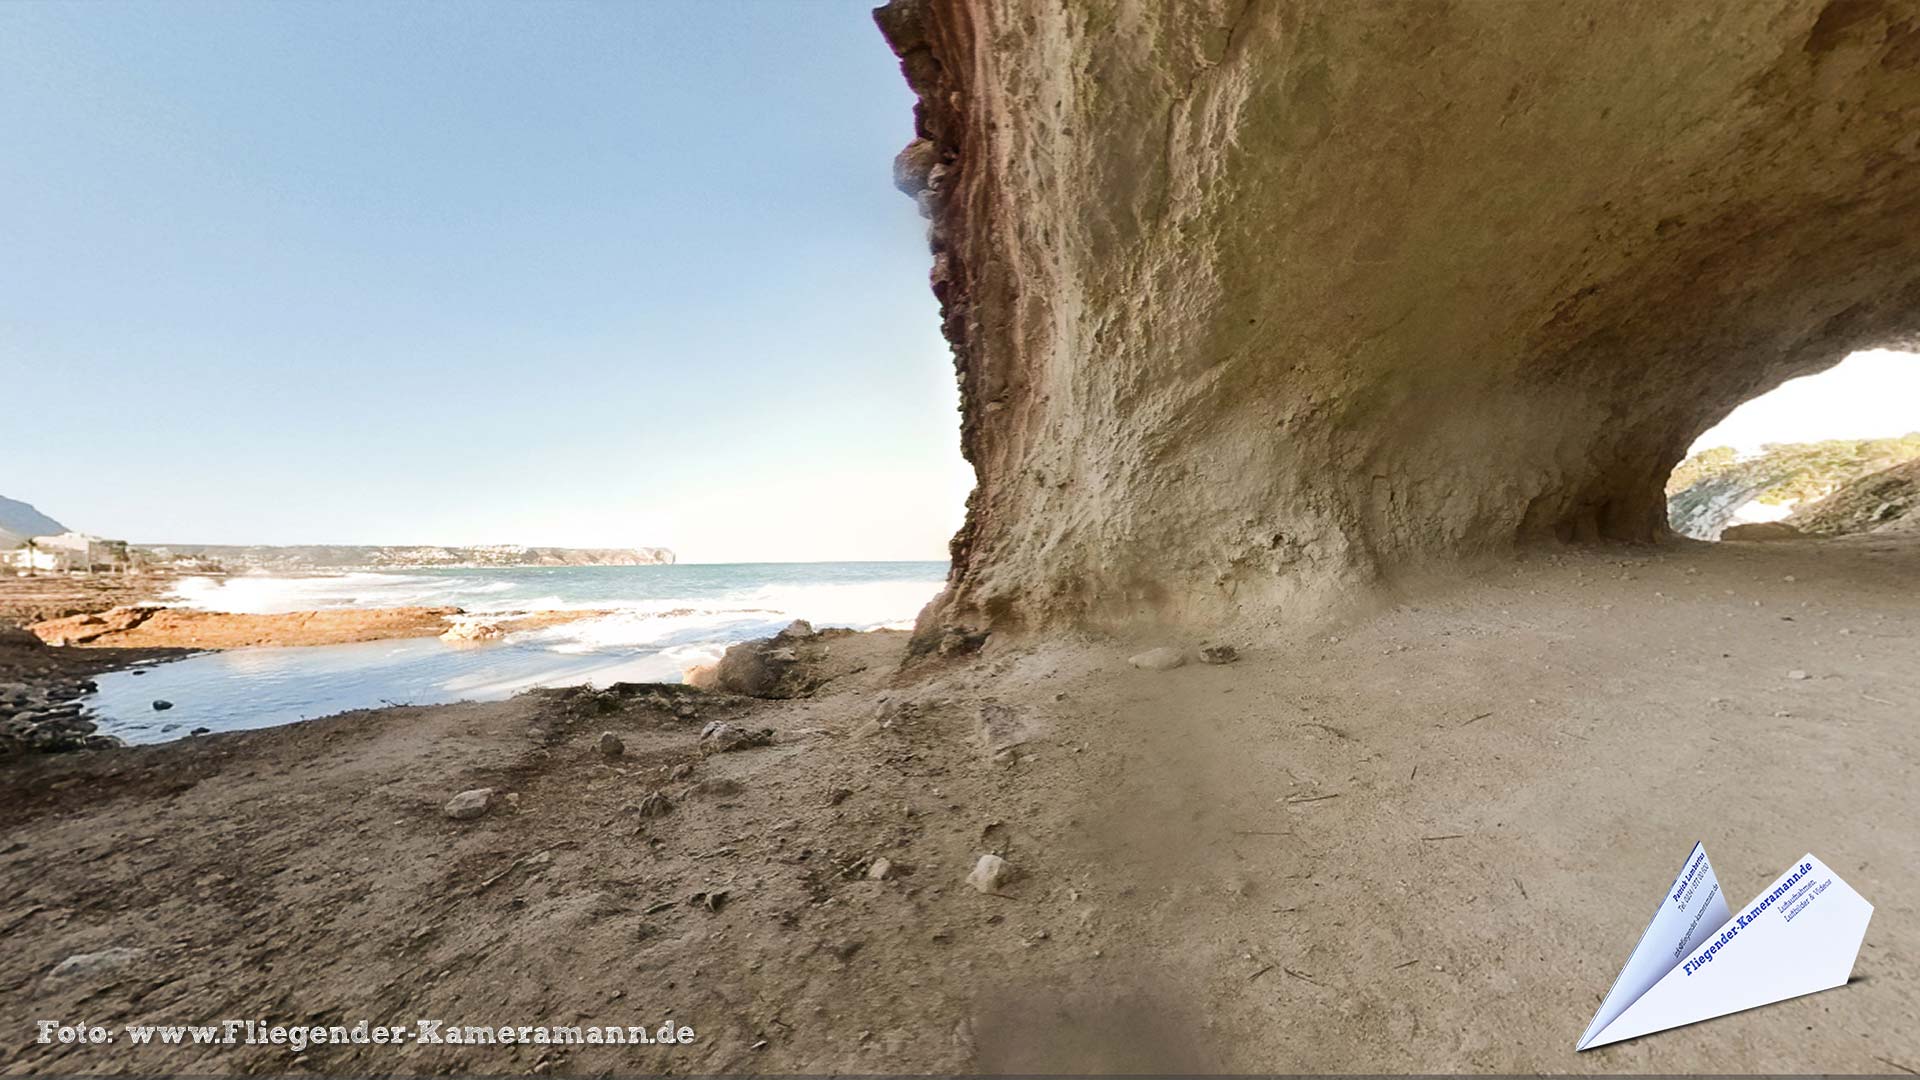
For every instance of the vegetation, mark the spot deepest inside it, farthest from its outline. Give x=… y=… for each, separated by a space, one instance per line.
x=1794 y=472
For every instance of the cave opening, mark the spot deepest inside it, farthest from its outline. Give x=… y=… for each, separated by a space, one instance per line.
x=1828 y=454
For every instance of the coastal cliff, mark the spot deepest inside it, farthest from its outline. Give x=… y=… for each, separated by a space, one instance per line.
x=1254 y=304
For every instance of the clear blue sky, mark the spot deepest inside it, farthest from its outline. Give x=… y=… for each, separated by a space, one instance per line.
x=591 y=274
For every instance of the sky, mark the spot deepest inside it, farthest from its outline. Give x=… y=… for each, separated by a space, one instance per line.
x=1869 y=395
x=560 y=274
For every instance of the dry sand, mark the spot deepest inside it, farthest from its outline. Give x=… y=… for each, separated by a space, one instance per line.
x=1423 y=840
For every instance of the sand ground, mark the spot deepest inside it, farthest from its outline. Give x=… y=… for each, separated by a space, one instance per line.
x=1420 y=840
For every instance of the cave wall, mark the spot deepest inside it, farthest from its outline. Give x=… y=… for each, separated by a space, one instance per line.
x=1254 y=302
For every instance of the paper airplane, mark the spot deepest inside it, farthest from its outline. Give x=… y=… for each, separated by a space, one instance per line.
x=1697 y=960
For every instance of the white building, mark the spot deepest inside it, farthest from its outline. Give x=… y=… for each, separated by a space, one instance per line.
x=69 y=552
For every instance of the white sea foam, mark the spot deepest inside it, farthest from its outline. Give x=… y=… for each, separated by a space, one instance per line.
x=741 y=614
x=663 y=621
x=259 y=594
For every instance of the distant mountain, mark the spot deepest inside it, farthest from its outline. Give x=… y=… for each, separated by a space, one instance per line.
x=365 y=556
x=19 y=522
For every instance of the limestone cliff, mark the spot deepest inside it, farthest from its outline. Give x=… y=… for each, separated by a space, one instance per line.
x=1252 y=302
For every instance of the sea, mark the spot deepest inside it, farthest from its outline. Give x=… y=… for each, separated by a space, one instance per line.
x=664 y=619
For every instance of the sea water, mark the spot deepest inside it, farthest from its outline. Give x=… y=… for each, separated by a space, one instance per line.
x=664 y=619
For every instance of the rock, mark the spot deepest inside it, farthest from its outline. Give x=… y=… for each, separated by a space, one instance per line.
x=1135 y=477
x=717 y=787
x=765 y=667
x=797 y=629
x=1219 y=654
x=470 y=804
x=1161 y=659
x=1796 y=674
x=162 y=705
x=1882 y=503
x=681 y=771
x=880 y=869
x=611 y=746
x=16 y=637
x=85 y=965
x=1761 y=530
x=656 y=804
x=1002 y=727
x=990 y=873
x=720 y=737
x=686 y=711
x=913 y=166
x=201 y=731
x=960 y=641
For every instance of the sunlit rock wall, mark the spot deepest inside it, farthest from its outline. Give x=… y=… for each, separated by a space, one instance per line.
x=1254 y=302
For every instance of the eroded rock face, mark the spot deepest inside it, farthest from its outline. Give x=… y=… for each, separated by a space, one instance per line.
x=1253 y=303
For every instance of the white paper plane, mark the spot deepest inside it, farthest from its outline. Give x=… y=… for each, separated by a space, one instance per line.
x=1697 y=961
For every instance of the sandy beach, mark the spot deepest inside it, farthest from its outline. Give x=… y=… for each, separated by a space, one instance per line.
x=1418 y=840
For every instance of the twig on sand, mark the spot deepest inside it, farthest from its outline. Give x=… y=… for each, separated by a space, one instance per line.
x=1328 y=728
x=1294 y=799
x=1259 y=973
x=1303 y=977
x=660 y=907
x=1263 y=832
x=1897 y=1065
x=1522 y=888
x=1406 y=963
x=1882 y=701
x=1475 y=719
x=1447 y=836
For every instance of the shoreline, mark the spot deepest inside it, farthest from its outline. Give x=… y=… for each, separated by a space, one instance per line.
x=151 y=627
x=1348 y=834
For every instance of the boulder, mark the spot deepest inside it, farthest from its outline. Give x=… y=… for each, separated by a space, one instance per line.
x=763 y=668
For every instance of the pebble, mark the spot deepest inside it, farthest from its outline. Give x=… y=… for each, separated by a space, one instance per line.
x=611 y=746
x=161 y=705
x=1161 y=659
x=990 y=873
x=1796 y=674
x=720 y=736
x=880 y=870
x=470 y=804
